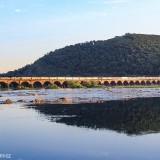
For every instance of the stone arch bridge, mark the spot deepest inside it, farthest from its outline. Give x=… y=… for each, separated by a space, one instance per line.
x=40 y=82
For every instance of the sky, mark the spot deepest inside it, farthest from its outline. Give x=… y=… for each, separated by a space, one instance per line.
x=31 y=28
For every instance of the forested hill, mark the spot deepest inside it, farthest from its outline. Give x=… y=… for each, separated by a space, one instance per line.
x=128 y=55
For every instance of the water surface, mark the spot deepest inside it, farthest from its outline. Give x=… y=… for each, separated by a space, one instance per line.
x=104 y=94
x=114 y=130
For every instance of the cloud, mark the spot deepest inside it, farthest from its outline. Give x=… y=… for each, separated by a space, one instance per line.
x=17 y=10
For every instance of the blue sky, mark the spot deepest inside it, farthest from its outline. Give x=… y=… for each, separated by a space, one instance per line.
x=31 y=28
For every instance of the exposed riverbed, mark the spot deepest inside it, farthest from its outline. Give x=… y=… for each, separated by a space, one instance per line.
x=78 y=95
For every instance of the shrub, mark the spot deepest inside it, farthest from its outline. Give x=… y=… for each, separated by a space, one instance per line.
x=74 y=84
x=90 y=84
x=20 y=87
x=87 y=84
x=52 y=86
x=94 y=83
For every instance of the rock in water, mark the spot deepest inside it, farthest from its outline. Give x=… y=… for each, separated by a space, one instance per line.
x=39 y=100
x=8 y=101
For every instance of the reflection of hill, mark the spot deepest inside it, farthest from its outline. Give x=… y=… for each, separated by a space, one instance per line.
x=137 y=116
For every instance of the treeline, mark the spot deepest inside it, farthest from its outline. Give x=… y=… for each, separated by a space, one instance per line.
x=128 y=55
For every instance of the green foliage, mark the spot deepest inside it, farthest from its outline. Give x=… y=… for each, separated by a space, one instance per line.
x=87 y=84
x=94 y=83
x=21 y=87
x=128 y=55
x=90 y=84
x=73 y=84
x=52 y=86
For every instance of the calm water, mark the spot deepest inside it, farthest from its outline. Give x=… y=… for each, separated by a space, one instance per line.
x=114 y=130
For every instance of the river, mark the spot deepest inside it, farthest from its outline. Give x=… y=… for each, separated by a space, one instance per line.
x=126 y=126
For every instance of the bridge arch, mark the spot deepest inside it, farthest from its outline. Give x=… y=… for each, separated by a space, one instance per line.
x=158 y=82
x=47 y=84
x=26 y=84
x=148 y=83
x=119 y=83
x=143 y=83
x=37 y=84
x=3 y=85
x=113 y=83
x=154 y=82
x=137 y=83
x=85 y=83
x=125 y=83
x=58 y=83
x=131 y=83
x=13 y=85
x=106 y=83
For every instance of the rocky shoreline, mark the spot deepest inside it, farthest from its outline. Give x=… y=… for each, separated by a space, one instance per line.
x=61 y=100
x=75 y=96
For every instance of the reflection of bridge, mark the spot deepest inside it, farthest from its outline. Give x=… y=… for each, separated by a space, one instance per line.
x=37 y=82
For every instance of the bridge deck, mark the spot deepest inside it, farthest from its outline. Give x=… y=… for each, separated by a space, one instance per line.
x=79 y=78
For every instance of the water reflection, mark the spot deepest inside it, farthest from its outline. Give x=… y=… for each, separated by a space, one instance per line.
x=133 y=117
